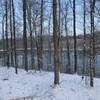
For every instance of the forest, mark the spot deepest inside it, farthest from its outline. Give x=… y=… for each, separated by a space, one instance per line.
x=50 y=48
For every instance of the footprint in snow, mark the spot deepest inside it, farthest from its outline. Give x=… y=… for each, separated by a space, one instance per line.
x=90 y=99
x=73 y=90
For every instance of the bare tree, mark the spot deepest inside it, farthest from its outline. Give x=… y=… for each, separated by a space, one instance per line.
x=39 y=38
x=59 y=3
x=92 y=43
x=41 y=41
x=60 y=33
x=6 y=32
x=14 y=39
x=56 y=47
x=49 y=29
x=11 y=42
x=29 y=15
x=25 y=35
x=3 y=37
x=74 y=30
x=67 y=37
x=84 y=39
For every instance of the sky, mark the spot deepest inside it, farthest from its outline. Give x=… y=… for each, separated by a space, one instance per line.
x=79 y=16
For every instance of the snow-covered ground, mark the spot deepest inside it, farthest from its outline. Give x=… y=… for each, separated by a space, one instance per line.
x=39 y=86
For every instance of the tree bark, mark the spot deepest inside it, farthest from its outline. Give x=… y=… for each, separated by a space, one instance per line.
x=67 y=38
x=56 y=47
x=74 y=30
x=6 y=33
x=92 y=43
x=14 y=32
x=11 y=34
x=84 y=39
x=25 y=35
x=3 y=39
x=29 y=14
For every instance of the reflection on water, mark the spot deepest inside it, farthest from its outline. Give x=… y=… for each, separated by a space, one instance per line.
x=48 y=62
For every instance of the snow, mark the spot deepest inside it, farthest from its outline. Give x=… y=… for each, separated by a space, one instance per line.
x=39 y=86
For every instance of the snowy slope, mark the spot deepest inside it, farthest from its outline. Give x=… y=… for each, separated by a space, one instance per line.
x=38 y=86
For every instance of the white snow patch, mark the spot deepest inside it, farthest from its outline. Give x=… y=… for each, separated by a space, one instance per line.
x=39 y=86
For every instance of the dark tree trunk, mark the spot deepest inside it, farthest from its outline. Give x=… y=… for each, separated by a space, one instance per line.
x=6 y=33
x=40 y=39
x=14 y=32
x=67 y=38
x=56 y=47
x=11 y=39
x=93 y=38
x=59 y=30
x=49 y=39
x=60 y=34
x=84 y=39
x=92 y=43
x=3 y=39
x=29 y=14
x=25 y=35
x=74 y=30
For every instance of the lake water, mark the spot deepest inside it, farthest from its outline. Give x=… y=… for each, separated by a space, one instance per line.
x=48 y=66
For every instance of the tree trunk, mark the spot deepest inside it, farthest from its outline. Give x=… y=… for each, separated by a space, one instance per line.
x=49 y=39
x=40 y=39
x=56 y=47
x=14 y=32
x=11 y=39
x=67 y=38
x=29 y=14
x=84 y=39
x=74 y=30
x=92 y=48
x=6 y=33
x=3 y=37
x=25 y=35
